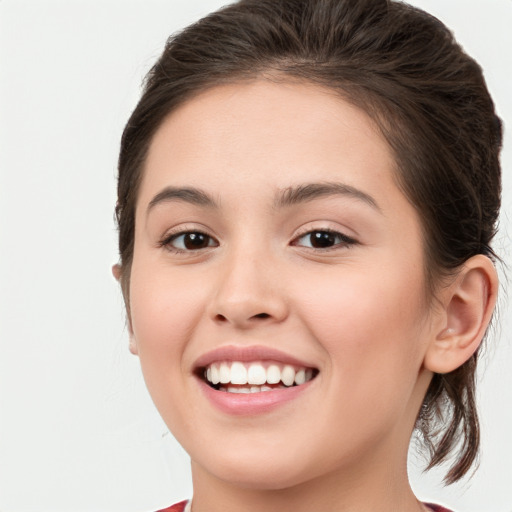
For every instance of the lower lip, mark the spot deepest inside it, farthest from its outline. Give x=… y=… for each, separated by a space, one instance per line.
x=247 y=404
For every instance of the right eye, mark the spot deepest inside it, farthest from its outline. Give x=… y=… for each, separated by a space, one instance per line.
x=324 y=239
x=189 y=241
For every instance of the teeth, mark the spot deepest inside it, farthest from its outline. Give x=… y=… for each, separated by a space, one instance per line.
x=224 y=373
x=288 y=375
x=252 y=389
x=273 y=374
x=215 y=375
x=300 y=377
x=233 y=389
x=255 y=376
x=238 y=374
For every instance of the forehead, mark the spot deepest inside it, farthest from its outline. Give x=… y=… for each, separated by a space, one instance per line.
x=262 y=132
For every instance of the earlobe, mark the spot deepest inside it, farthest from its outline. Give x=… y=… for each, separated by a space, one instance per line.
x=116 y=271
x=468 y=304
x=133 y=344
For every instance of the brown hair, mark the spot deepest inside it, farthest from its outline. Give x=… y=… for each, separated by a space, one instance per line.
x=430 y=101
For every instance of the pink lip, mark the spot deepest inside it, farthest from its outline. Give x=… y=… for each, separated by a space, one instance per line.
x=246 y=354
x=251 y=403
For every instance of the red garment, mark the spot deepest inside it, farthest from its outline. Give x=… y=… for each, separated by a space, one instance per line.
x=180 y=507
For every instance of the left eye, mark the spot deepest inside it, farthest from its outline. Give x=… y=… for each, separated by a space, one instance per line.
x=323 y=239
x=190 y=241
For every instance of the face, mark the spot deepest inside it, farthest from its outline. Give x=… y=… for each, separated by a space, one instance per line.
x=277 y=289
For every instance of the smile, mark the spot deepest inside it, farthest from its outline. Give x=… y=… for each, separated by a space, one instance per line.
x=256 y=376
x=252 y=380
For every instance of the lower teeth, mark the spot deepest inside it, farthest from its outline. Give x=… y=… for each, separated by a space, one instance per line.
x=252 y=389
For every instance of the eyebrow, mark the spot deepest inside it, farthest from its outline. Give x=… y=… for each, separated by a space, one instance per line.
x=287 y=197
x=187 y=194
x=311 y=191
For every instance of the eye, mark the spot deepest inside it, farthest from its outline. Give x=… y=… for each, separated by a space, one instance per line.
x=323 y=239
x=189 y=241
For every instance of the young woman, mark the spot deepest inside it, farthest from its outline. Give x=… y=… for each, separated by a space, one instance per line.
x=307 y=195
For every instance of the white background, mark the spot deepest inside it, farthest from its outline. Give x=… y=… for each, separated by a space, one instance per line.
x=78 y=431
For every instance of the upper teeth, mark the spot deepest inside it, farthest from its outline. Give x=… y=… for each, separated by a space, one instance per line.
x=236 y=372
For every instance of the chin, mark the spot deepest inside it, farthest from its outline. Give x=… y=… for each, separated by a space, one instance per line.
x=263 y=480
x=257 y=472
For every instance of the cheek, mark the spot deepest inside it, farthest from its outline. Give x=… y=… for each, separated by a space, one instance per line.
x=165 y=308
x=369 y=322
x=370 y=327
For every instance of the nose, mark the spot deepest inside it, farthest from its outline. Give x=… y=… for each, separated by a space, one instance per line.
x=249 y=292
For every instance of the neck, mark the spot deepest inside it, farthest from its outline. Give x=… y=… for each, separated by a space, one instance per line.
x=362 y=489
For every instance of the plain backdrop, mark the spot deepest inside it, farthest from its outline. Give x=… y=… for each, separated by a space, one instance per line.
x=78 y=431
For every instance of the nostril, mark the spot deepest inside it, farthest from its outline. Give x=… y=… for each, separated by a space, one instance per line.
x=241 y=320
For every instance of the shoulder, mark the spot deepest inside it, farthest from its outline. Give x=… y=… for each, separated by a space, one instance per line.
x=178 y=507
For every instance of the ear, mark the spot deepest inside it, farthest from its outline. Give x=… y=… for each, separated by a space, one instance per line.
x=132 y=346
x=117 y=271
x=467 y=306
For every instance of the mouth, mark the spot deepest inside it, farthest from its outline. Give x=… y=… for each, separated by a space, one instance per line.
x=253 y=380
x=255 y=376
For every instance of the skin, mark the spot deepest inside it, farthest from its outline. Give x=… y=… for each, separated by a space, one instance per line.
x=356 y=311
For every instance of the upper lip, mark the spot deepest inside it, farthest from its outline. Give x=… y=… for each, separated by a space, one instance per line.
x=247 y=354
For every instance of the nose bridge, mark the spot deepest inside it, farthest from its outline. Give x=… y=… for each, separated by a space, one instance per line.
x=248 y=290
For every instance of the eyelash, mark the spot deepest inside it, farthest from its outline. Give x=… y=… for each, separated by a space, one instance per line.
x=343 y=240
x=172 y=237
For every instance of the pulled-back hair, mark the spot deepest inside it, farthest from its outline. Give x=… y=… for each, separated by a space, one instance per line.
x=429 y=99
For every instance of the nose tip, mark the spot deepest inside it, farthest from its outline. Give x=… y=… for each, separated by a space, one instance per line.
x=248 y=296
x=244 y=314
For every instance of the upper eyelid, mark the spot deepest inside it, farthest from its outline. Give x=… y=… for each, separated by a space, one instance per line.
x=180 y=230
x=302 y=232
x=186 y=228
x=345 y=243
x=174 y=233
x=166 y=243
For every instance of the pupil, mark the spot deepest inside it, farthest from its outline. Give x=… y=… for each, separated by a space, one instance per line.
x=195 y=241
x=322 y=239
